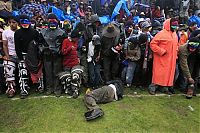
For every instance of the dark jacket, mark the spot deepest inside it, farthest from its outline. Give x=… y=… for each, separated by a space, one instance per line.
x=107 y=44
x=132 y=48
x=33 y=59
x=53 y=39
x=22 y=38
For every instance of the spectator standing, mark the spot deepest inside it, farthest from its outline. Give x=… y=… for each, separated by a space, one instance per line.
x=53 y=38
x=110 y=51
x=10 y=56
x=164 y=46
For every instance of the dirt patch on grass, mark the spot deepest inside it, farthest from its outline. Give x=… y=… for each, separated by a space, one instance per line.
x=180 y=110
x=124 y=106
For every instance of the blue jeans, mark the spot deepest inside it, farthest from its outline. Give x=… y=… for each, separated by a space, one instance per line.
x=128 y=72
x=94 y=74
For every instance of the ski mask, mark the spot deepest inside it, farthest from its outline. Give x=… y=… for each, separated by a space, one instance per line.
x=193 y=44
x=25 y=23
x=53 y=24
x=52 y=21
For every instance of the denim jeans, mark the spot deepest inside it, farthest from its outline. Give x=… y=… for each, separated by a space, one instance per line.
x=94 y=74
x=128 y=72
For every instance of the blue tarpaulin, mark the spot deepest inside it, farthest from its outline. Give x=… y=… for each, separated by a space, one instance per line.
x=120 y=4
x=59 y=13
x=132 y=3
x=196 y=19
x=104 y=19
x=15 y=13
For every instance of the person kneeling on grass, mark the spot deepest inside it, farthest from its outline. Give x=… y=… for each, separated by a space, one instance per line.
x=113 y=91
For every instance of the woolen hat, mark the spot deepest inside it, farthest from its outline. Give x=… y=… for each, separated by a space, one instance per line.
x=110 y=31
x=75 y=34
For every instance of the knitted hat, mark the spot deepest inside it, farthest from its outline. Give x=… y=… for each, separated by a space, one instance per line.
x=145 y=25
x=75 y=34
x=52 y=16
x=96 y=40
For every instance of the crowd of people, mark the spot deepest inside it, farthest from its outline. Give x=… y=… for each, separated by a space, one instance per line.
x=148 y=44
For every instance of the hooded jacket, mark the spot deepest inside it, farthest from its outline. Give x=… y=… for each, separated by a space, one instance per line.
x=165 y=47
x=92 y=29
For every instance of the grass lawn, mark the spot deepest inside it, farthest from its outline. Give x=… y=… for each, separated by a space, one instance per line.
x=132 y=114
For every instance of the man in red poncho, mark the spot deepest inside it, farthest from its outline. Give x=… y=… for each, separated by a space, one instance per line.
x=164 y=46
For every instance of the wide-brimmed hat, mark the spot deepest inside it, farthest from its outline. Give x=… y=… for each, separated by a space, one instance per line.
x=110 y=31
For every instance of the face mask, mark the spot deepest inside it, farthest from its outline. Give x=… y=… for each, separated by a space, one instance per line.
x=192 y=46
x=25 y=23
x=174 y=25
x=53 y=24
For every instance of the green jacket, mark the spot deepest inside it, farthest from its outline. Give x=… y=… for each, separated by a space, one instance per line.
x=183 y=59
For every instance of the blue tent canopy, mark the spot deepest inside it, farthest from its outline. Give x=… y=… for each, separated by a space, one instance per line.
x=120 y=4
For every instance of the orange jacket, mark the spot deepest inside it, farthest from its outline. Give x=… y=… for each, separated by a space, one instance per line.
x=165 y=47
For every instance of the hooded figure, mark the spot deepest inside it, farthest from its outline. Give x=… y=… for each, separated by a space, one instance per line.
x=165 y=46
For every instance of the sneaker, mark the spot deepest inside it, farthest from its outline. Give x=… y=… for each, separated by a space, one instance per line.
x=152 y=89
x=11 y=93
x=94 y=114
x=190 y=91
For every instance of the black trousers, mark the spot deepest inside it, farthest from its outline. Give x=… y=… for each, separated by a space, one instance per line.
x=52 y=66
x=111 y=68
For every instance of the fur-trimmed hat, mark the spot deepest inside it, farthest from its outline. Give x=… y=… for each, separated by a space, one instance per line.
x=110 y=31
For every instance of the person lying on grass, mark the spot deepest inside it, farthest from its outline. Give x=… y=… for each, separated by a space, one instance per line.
x=113 y=91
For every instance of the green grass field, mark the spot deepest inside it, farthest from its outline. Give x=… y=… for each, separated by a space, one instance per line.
x=132 y=114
